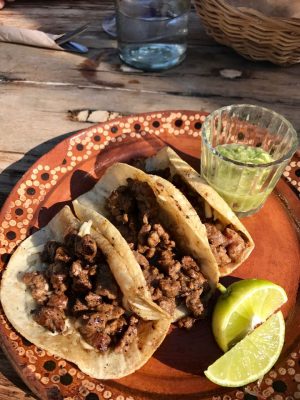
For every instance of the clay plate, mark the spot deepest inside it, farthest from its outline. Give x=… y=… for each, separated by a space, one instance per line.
x=176 y=369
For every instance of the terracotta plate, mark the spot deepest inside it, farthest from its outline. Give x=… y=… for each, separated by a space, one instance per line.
x=176 y=370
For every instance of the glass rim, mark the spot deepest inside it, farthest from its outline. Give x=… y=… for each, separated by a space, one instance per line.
x=282 y=159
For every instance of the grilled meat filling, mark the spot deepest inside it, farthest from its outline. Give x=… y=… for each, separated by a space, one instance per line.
x=172 y=277
x=78 y=284
x=226 y=243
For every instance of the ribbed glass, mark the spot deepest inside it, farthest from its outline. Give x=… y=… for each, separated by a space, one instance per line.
x=243 y=185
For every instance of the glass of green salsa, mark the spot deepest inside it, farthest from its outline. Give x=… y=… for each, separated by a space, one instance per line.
x=245 y=149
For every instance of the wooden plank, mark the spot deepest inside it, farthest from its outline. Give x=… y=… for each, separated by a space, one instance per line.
x=33 y=114
x=194 y=77
x=11 y=386
x=36 y=95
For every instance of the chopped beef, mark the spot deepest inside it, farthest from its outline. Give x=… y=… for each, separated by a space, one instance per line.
x=227 y=246
x=58 y=300
x=169 y=287
x=98 y=327
x=168 y=264
x=50 y=318
x=38 y=286
x=156 y=293
x=105 y=283
x=93 y=270
x=164 y=237
x=69 y=241
x=115 y=326
x=220 y=255
x=194 y=304
x=58 y=274
x=167 y=304
x=55 y=252
x=173 y=278
x=215 y=236
x=100 y=341
x=192 y=270
x=79 y=306
x=62 y=255
x=49 y=251
x=223 y=248
x=236 y=243
x=121 y=205
x=86 y=248
x=143 y=233
x=128 y=336
x=81 y=281
x=152 y=276
x=93 y=300
x=164 y=173
x=189 y=264
x=77 y=283
x=110 y=311
x=186 y=322
x=93 y=333
x=92 y=323
x=153 y=239
x=145 y=198
x=142 y=260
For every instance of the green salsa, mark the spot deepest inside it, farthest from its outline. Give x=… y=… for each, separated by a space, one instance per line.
x=245 y=154
x=245 y=187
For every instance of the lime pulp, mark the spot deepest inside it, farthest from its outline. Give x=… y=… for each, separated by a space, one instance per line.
x=252 y=357
x=244 y=305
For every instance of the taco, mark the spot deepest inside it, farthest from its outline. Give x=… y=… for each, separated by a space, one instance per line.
x=229 y=240
x=180 y=270
x=69 y=290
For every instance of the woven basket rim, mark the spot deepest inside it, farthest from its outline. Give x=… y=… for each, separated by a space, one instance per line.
x=275 y=39
x=284 y=23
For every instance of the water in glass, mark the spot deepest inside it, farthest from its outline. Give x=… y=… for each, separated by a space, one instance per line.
x=152 y=34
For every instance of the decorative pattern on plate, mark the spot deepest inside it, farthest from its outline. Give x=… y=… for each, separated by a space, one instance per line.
x=292 y=174
x=32 y=191
x=49 y=376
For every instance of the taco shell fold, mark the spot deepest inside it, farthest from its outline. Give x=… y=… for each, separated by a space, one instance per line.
x=175 y=211
x=167 y=158
x=17 y=303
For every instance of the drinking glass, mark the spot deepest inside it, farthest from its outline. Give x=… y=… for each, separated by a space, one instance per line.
x=152 y=33
x=244 y=184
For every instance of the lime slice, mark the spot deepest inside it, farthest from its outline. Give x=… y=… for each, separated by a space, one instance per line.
x=243 y=306
x=252 y=357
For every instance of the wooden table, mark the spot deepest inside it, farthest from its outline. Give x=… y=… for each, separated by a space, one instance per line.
x=46 y=94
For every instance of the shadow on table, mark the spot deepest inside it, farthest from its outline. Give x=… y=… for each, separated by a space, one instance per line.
x=15 y=171
x=7 y=372
x=192 y=351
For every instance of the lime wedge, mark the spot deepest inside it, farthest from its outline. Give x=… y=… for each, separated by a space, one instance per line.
x=244 y=305
x=252 y=357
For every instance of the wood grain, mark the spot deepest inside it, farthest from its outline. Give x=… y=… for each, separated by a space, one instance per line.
x=38 y=84
x=11 y=386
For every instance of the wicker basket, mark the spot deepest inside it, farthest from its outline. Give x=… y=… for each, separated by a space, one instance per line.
x=251 y=33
